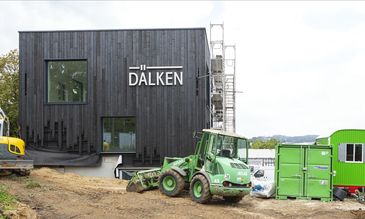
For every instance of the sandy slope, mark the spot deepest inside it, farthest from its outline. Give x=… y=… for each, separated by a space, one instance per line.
x=72 y=196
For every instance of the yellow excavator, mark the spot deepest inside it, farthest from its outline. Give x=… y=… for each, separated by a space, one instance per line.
x=12 y=151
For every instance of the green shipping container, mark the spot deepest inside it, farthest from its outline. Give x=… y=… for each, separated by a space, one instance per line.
x=303 y=172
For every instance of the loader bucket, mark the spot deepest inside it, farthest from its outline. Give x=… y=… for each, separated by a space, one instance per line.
x=144 y=180
x=134 y=187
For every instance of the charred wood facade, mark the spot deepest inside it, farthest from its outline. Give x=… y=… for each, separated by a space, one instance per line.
x=119 y=73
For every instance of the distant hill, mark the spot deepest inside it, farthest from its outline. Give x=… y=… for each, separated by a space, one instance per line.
x=288 y=139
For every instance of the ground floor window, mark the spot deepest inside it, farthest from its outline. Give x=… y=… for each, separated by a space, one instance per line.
x=354 y=152
x=119 y=134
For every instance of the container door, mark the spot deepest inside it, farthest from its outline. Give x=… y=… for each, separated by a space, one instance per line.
x=290 y=176
x=318 y=176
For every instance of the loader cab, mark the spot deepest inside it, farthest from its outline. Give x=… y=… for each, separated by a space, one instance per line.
x=229 y=147
x=224 y=146
x=215 y=143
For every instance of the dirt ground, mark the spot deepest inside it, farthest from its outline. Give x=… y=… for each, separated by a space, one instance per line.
x=58 y=195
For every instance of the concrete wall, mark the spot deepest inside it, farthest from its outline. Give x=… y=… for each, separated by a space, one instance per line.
x=106 y=169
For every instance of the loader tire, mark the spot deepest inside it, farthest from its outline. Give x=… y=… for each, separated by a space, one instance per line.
x=199 y=189
x=171 y=183
x=232 y=199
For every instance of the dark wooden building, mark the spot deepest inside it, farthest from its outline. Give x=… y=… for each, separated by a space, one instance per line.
x=136 y=93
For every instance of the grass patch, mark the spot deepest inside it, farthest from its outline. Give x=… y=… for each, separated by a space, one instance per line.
x=30 y=184
x=14 y=177
x=7 y=201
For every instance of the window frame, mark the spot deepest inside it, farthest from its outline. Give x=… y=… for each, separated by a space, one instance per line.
x=102 y=133
x=223 y=138
x=245 y=159
x=46 y=101
x=354 y=152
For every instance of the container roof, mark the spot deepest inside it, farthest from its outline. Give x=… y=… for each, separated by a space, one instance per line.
x=328 y=134
x=220 y=132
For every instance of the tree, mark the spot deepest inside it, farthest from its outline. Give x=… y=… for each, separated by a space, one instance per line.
x=262 y=144
x=9 y=88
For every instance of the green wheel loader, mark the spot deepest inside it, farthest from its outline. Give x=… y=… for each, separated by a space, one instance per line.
x=214 y=169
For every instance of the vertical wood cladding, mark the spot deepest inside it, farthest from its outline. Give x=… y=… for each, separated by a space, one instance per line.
x=166 y=116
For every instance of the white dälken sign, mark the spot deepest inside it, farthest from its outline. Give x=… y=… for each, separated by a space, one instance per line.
x=156 y=75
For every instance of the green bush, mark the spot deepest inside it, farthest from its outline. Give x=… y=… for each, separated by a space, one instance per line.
x=9 y=87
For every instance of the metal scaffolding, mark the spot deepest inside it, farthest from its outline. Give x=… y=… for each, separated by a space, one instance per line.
x=223 y=93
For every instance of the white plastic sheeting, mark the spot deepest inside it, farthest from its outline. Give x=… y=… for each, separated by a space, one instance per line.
x=262 y=188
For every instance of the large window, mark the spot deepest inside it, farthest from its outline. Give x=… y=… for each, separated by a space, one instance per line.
x=67 y=81
x=119 y=134
x=354 y=152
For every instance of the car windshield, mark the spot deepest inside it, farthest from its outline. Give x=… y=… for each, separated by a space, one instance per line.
x=225 y=146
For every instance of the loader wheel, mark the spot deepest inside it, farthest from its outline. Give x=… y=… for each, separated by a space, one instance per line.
x=199 y=189
x=171 y=183
x=232 y=199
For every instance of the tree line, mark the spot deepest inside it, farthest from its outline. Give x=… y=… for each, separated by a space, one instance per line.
x=9 y=88
x=264 y=144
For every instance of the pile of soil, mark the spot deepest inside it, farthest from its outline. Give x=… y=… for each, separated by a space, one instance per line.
x=21 y=211
x=359 y=214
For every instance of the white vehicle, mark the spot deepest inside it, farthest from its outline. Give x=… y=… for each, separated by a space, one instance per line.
x=266 y=173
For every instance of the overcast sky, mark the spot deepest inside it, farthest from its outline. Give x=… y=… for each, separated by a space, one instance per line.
x=300 y=65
